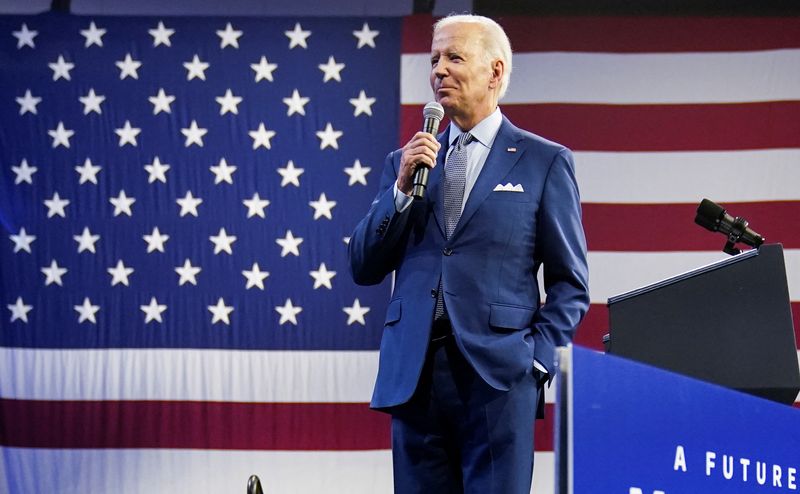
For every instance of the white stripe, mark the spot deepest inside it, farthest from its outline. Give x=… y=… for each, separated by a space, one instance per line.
x=68 y=375
x=638 y=78
x=688 y=177
x=345 y=377
x=614 y=273
x=550 y=391
x=544 y=473
x=194 y=375
x=166 y=471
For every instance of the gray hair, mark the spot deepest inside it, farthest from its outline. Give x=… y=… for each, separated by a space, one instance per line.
x=494 y=41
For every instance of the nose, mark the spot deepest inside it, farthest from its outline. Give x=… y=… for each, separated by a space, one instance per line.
x=440 y=70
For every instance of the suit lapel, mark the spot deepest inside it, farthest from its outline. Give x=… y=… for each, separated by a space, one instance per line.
x=498 y=164
x=434 y=192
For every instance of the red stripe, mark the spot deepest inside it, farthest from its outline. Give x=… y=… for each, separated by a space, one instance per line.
x=544 y=430
x=671 y=227
x=796 y=319
x=204 y=425
x=417 y=33
x=699 y=127
x=195 y=425
x=628 y=34
x=595 y=325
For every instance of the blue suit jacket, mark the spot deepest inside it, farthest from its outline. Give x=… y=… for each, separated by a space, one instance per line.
x=489 y=265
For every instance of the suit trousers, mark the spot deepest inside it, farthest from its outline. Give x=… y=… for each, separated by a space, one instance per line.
x=457 y=434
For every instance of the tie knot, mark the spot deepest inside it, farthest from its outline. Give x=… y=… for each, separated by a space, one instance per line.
x=464 y=139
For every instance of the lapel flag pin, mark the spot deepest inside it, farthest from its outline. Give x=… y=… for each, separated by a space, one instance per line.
x=511 y=150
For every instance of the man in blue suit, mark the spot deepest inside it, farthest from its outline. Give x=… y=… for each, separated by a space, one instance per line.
x=467 y=344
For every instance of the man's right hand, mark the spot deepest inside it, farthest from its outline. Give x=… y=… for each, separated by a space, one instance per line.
x=421 y=150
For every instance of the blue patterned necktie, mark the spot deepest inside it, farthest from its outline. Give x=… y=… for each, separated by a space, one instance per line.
x=455 y=178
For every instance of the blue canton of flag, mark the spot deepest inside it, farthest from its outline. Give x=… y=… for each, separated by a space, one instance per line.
x=179 y=184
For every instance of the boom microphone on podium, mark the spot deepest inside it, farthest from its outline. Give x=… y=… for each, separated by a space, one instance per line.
x=713 y=217
x=433 y=114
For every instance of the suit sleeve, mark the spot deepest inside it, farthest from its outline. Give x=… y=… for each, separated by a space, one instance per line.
x=377 y=244
x=561 y=249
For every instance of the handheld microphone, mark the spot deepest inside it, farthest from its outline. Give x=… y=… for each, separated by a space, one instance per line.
x=713 y=217
x=433 y=114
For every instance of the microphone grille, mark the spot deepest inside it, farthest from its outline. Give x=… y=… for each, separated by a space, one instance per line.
x=433 y=110
x=708 y=214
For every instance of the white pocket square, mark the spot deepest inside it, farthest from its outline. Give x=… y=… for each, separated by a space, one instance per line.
x=508 y=188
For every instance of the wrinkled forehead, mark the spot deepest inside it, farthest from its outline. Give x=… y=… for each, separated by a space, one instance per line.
x=457 y=37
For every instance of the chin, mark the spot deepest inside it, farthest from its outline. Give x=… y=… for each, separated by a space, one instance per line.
x=445 y=101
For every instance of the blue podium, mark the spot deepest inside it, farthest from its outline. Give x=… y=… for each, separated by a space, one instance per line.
x=623 y=427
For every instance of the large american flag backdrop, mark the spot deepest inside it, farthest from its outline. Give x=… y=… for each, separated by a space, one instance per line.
x=176 y=196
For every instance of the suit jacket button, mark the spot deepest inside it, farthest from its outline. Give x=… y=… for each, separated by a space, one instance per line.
x=434 y=293
x=447 y=251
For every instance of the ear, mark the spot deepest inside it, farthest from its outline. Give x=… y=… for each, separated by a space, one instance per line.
x=498 y=69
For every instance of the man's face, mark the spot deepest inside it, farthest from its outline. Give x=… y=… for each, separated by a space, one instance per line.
x=461 y=77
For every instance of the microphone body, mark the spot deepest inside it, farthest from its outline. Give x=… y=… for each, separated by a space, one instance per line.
x=713 y=217
x=432 y=117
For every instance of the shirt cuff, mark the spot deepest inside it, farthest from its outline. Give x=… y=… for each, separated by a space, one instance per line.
x=401 y=201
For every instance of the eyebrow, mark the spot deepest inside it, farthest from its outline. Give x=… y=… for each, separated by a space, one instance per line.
x=448 y=53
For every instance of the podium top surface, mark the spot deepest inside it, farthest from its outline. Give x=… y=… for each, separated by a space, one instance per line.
x=696 y=272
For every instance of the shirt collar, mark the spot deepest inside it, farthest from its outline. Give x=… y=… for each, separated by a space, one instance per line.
x=484 y=132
